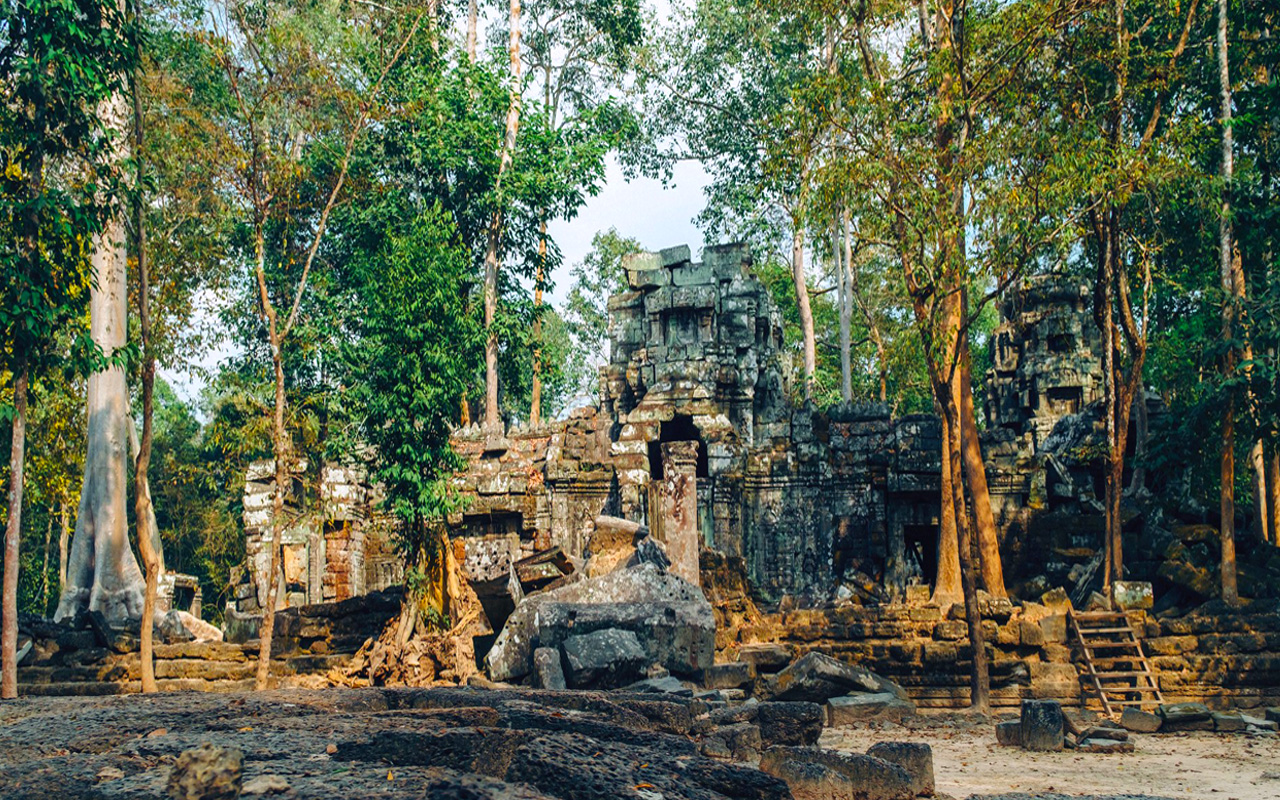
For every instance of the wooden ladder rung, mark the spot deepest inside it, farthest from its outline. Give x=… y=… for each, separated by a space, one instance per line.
x=1124 y=689
x=1132 y=702
x=1095 y=631
x=1111 y=661
x=1108 y=645
x=1093 y=616
x=1131 y=674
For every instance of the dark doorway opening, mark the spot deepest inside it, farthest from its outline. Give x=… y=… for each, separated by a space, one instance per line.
x=922 y=551
x=679 y=428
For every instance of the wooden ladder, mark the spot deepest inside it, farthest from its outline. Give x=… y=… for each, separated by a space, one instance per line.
x=1114 y=660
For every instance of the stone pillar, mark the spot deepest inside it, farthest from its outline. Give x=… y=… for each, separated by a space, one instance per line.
x=680 y=508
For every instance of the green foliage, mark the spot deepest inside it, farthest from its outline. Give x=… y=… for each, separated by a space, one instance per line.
x=598 y=277
x=413 y=351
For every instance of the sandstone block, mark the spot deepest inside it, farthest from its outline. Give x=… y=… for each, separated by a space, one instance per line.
x=1140 y=721
x=1009 y=734
x=547 y=667
x=765 y=657
x=732 y=675
x=1228 y=722
x=838 y=774
x=914 y=757
x=818 y=677
x=1104 y=746
x=857 y=708
x=607 y=658
x=1054 y=628
x=1043 y=725
x=740 y=742
x=1030 y=633
x=798 y=724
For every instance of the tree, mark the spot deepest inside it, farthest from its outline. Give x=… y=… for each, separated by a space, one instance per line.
x=282 y=66
x=598 y=277
x=60 y=61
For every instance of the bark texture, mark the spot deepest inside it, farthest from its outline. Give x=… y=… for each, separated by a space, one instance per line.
x=12 y=532
x=492 y=255
x=975 y=474
x=102 y=573
x=1230 y=593
x=802 y=303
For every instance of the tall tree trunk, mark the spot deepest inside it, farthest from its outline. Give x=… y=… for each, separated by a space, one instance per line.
x=1104 y=314
x=802 y=303
x=1273 y=493
x=473 y=14
x=280 y=448
x=976 y=476
x=12 y=532
x=979 y=675
x=1261 y=505
x=839 y=246
x=103 y=574
x=64 y=538
x=44 y=567
x=535 y=391
x=492 y=256
x=947 y=588
x=143 y=513
x=1230 y=593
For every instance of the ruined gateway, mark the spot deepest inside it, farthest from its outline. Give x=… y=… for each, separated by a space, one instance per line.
x=819 y=506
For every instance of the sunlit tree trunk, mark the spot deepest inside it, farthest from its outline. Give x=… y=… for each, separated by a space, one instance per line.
x=492 y=250
x=1261 y=505
x=976 y=477
x=947 y=588
x=103 y=574
x=838 y=248
x=12 y=532
x=64 y=539
x=473 y=14
x=535 y=390
x=143 y=514
x=802 y=302
x=1230 y=592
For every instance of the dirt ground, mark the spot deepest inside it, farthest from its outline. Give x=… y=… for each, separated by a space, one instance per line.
x=967 y=761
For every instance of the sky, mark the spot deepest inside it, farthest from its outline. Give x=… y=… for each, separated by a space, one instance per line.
x=642 y=209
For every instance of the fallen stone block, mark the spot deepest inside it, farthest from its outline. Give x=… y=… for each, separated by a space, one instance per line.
x=1103 y=732
x=547 y=667
x=1104 y=746
x=1140 y=721
x=1043 y=726
x=765 y=657
x=1260 y=723
x=864 y=776
x=856 y=708
x=798 y=724
x=740 y=742
x=732 y=675
x=817 y=678
x=606 y=659
x=1273 y=714
x=914 y=757
x=671 y=617
x=664 y=685
x=1186 y=717
x=1227 y=722
x=1009 y=734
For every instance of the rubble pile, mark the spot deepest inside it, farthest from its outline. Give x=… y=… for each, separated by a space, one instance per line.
x=438 y=743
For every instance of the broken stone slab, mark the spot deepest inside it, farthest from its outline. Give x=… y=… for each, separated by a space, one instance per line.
x=1101 y=732
x=1228 y=722
x=1009 y=734
x=605 y=659
x=1260 y=723
x=856 y=708
x=1140 y=721
x=740 y=741
x=1043 y=725
x=817 y=678
x=790 y=723
x=914 y=757
x=732 y=675
x=1104 y=746
x=1273 y=713
x=765 y=657
x=548 y=669
x=677 y=627
x=838 y=774
x=1183 y=713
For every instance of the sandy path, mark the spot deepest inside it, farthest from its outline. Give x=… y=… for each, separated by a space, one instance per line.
x=1205 y=766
